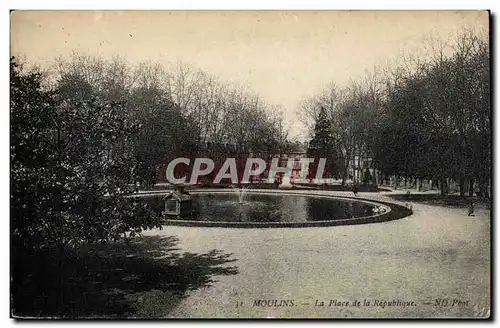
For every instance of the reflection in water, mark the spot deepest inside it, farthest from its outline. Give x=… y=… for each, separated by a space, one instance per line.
x=293 y=209
x=271 y=208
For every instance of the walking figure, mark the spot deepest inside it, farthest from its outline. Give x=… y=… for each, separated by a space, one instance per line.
x=471 y=209
x=355 y=189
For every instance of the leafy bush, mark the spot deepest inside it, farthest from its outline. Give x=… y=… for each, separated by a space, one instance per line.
x=71 y=162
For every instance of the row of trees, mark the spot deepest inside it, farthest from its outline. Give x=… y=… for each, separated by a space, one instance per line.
x=428 y=118
x=217 y=112
x=82 y=132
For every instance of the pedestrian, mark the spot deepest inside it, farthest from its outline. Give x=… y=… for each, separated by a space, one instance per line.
x=471 y=209
x=355 y=189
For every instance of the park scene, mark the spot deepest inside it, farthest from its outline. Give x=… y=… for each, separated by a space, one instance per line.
x=148 y=186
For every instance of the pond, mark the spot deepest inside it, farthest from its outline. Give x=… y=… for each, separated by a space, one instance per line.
x=261 y=207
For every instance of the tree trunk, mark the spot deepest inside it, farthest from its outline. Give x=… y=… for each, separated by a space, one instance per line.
x=483 y=188
x=471 y=187
x=441 y=183
x=61 y=254
x=462 y=187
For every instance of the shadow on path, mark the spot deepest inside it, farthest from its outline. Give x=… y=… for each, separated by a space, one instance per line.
x=146 y=278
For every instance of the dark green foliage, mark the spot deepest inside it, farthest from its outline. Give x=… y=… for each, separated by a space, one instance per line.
x=70 y=167
x=325 y=145
x=367 y=177
x=425 y=120
x=436 y=120
x=164 y=135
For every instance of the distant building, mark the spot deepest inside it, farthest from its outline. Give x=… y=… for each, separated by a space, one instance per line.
x=220 y=152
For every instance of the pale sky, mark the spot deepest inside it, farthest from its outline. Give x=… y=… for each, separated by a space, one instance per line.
x=284 y=56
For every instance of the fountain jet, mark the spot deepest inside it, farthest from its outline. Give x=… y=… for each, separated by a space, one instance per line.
x=240 y=191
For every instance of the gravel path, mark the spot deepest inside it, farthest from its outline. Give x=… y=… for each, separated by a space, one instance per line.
x=438 y=252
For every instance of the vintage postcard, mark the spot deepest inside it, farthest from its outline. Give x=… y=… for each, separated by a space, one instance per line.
x=250 y=164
